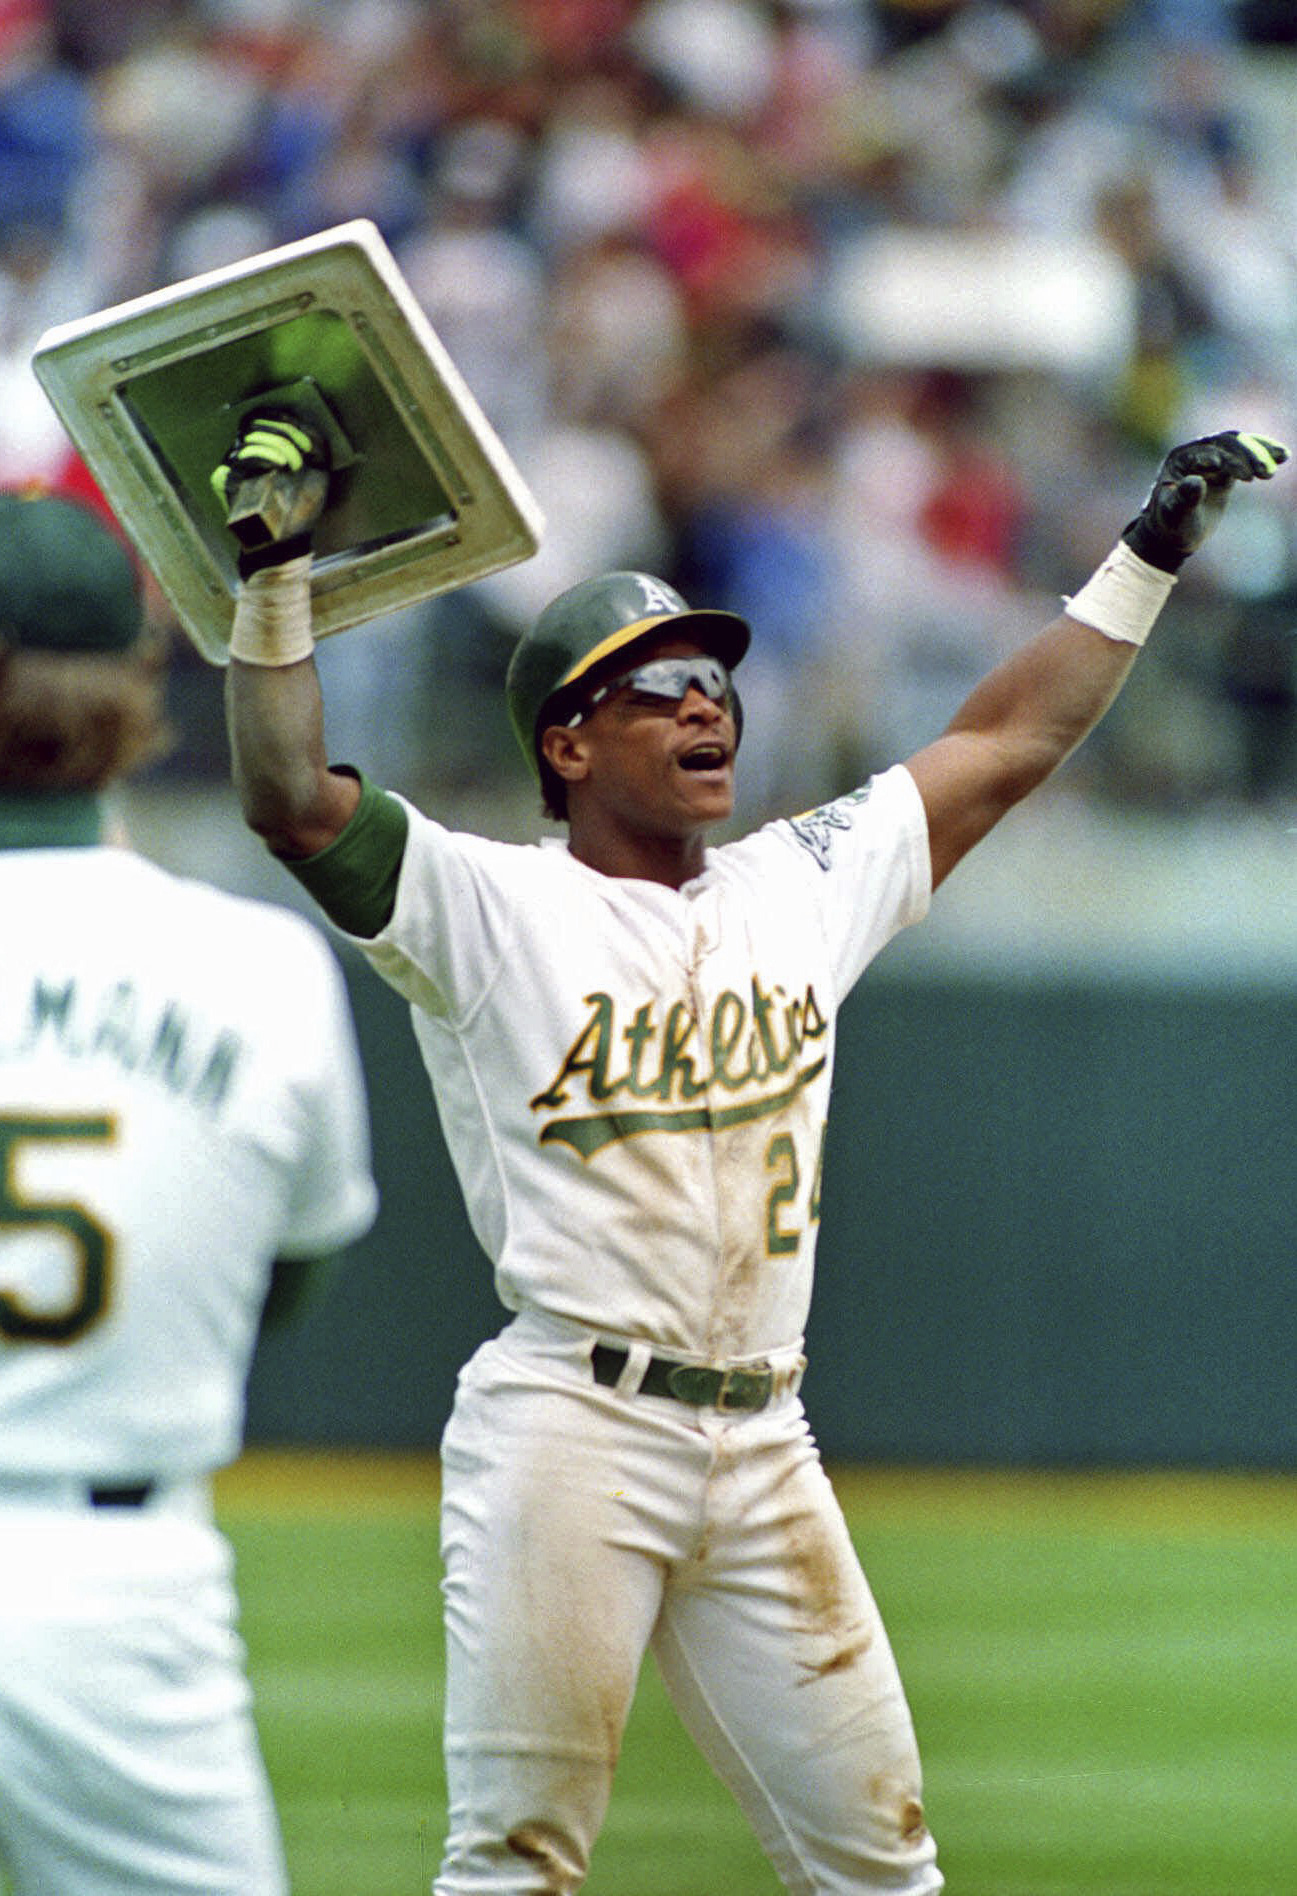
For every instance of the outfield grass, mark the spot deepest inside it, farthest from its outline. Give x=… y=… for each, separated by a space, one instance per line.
x=1103 y=1671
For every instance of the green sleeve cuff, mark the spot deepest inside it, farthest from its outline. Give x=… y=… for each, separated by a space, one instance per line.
x=354 y=878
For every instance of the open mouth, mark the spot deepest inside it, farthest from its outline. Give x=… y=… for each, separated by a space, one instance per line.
x=705 y=757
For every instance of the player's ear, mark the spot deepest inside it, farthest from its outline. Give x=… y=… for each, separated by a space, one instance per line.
x=566 y=752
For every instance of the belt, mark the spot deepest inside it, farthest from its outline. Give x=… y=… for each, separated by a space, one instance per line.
x=749 y=1386
x=66 y=1491
x=132 y=1494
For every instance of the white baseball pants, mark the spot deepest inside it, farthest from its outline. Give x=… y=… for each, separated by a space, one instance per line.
x=128 y=1759
x=582 y=1525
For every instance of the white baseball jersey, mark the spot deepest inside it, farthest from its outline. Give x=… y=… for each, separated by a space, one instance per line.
x=180 y=1104
x=633 y=1081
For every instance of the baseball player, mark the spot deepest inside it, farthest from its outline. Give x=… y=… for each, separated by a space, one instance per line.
x=630 y=1035
x=183 y=1133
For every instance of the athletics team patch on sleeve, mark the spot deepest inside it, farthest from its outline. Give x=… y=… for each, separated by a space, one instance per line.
x=815 y=830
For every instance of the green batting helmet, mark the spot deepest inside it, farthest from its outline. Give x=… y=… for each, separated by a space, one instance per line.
x=600 y=619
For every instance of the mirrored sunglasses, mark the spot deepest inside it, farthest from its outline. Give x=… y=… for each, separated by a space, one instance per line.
x=664 y=681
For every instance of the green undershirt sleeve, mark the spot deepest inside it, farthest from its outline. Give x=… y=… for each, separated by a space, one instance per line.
x=354 y=878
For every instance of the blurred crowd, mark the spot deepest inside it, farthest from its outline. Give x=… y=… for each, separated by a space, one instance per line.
x=869 y=319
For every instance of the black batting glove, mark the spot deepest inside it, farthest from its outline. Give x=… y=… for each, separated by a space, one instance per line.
x=272 y=484
x=1188 y=497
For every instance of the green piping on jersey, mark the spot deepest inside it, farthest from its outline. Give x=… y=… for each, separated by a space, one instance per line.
x=354 y=878
x=62 y=819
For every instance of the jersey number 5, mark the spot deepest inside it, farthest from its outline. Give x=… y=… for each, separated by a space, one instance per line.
x=91 y=1243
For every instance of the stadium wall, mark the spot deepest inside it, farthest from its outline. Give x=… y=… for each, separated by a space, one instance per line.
x=1057 y=1230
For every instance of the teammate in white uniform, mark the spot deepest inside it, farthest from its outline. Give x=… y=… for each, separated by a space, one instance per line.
x=181 y=1105
x=630 y=1039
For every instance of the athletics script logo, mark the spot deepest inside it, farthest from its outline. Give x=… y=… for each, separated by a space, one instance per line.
x=763 y=1045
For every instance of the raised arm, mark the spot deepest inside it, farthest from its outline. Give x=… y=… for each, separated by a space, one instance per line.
x=287 y=792
x=273 y=485
x=1031 y=712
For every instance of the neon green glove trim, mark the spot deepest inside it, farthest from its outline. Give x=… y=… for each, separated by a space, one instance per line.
x=272 y=424
x=270 y=442
x=298 y=436
x=260 y=445
x=1269 y=453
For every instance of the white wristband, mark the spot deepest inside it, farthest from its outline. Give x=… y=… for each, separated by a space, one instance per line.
x=272 y=615
x=1123 y=597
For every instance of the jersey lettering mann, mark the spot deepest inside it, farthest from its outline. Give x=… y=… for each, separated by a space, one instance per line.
x=156 y=1038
